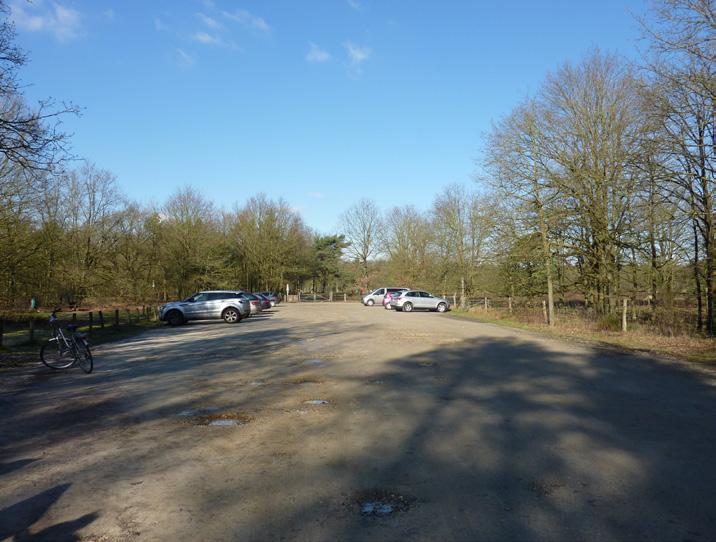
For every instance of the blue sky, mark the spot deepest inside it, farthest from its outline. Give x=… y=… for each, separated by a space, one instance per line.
x=319 y=102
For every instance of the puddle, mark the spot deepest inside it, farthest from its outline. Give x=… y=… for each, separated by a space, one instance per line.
x=225 y=423
x=375 y=382
x=223 y=419
x=198 y=411
x=257 y=383
x=315 y=362
x=426 y=364
x=380 y=503
x=376 y=508
x=316 y=402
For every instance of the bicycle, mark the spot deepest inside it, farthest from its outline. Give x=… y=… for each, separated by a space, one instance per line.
x=63 y=350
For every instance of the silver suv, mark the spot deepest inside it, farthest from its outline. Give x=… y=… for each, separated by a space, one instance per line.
x=377 y=295
x=417 y=299
x=229 y=305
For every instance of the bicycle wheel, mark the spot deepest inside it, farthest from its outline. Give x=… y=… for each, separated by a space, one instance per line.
x=56 y=355
x=84 y=356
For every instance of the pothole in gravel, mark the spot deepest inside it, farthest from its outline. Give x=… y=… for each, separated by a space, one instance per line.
x=200 y=411
x=223 y=419
x=316 y=402
x=304 y=381
x=382 y=503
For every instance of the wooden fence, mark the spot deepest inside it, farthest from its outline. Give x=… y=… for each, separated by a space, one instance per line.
x=23 y=328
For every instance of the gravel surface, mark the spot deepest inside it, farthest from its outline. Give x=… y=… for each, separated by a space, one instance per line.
x=342 y=422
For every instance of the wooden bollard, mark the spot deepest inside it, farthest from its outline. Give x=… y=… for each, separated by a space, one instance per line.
x=116 y=317
x=129 y=316
x=32 y=330
x=101 y=320
x=91 y=320
x=74 y=317
x=2 y=329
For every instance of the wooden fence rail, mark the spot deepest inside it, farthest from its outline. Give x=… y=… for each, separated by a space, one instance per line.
x=20 y=329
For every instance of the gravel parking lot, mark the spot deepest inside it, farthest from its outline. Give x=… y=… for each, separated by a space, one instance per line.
x=342 y=422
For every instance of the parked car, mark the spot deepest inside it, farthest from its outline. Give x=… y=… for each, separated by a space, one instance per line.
x=275 y=299
x=390 y=295
x=417 y=300
x=265 y=302
x=254 y=302
x=377 y=295
x=228 y=305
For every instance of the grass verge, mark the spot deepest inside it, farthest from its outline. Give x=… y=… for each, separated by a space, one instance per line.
x=699 y=350
x=12 y=356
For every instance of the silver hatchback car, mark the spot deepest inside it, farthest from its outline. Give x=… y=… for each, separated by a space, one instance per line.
x=417 y=299
x=229 y=305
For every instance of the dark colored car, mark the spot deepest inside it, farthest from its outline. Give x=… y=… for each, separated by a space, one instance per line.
x=275 y=299
x=265 y=302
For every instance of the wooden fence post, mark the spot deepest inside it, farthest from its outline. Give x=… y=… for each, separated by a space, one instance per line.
x=544 y=312
x=138 y=316
x=314 y=296
x=129 y=316
x=345 y=298
x=91 y=320
x=32 y=330
x=74 y=317
x=101 y=320
x=330 y=297
x=454 y=299
x=485 y=302
x=509 y=304
x=2 y=329
x=624 y=315
x=116 y=317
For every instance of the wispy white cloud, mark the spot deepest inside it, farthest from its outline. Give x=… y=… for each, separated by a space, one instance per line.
x=357 y=56
x=63 y=22
x=317 y=55
x=247 y=19
x=209 y=4
x=184 y=59
x=207 y=39
x=355 y=4
x=209 y=22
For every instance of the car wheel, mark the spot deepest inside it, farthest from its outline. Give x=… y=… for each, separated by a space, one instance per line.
x=442 y=307
x=388 y=307
x=370 y=303
x=231 y=316
x=407 y=307
x=175 y=318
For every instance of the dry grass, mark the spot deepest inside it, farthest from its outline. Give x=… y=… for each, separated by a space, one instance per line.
x=693 y=348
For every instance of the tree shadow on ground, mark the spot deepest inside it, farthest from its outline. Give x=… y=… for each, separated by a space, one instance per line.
x=16 y=521
x=502 y=439
x=486 y=439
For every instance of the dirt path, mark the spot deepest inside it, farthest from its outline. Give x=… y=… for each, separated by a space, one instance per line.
x=434 y=429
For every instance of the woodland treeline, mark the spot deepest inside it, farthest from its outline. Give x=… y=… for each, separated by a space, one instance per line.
x=598 y=187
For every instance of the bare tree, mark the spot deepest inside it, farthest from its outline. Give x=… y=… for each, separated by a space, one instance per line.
x=361 y=225
x=682 y=64
x=29 y=136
